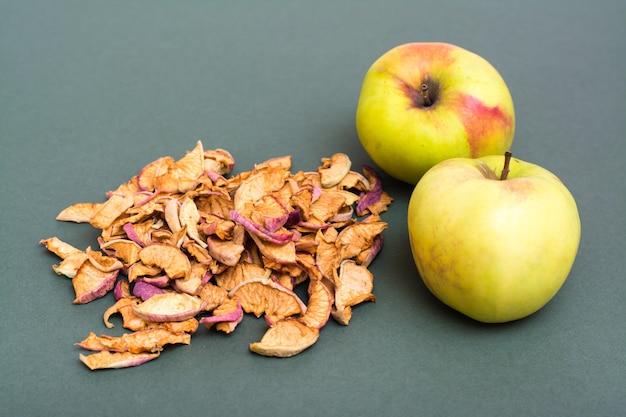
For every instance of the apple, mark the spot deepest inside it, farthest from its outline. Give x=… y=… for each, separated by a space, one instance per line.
x=422 y=103
x=494 y=247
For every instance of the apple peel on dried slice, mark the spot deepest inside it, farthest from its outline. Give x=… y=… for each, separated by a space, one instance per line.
x=226 y=317
x=116 y=360
x=286 y=338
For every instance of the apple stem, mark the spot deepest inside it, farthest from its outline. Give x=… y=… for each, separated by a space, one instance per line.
x=425 y=96
x=505 y=169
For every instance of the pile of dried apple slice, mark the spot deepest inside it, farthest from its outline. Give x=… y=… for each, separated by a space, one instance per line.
x=183 y=245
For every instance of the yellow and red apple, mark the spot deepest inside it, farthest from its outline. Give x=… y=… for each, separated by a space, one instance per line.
x=494 y=247
x=422 y=103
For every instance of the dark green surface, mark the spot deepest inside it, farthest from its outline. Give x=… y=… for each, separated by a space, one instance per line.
x=91 y=91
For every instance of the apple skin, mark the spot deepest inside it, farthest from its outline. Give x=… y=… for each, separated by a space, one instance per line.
x=494 y=250
x=471 y=113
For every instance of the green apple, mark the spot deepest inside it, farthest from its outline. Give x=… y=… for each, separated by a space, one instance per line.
x=422 y=103
x=494 y=247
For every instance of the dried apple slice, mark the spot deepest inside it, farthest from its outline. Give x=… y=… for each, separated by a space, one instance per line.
x=227 y=251
x=189 y=218
x=355 y=286
x=125 y=250
x=182 y=176
x=169 y=307
x=114 y=207
x=108 y=360
x=150 y=340
x=79 y=213
x=226 y=317
x=219 y=161
x=147 y=175
x=319 y=305
x=191 y=284
x=59 y=247
x=286 y=338
x=334 y=169
x=237 y=274
x=264 y=295
x=70 y=265
x=213 y=295
x=357 y=237
x=102 y=262
x=91 y=283
x=169 y=258
x=375 y=200
x=133 y=322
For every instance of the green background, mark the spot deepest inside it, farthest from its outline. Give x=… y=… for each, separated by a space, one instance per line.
x=90 y=91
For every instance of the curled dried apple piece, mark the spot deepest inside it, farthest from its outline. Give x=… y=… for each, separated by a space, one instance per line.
x=102 y=262
x=125 y=250
x=79 y=213
x=319 y=305
x=219 y=161
x=189 y=218
x=286 y=338
x=357 y=237
x=169 y=258
x=107 y=212
x=116 y=360
x=355 y=286
x=226 y=317
x=91 y=283
x=213 y=295
x=148 y=174
x=150 y=340
x=59 y=247
x=182 y=175
x=169 y=307
x=133 y=322
x=334 y=169
x=239 y=273
x=375 y=200
x=265 y=296
x=70 y=265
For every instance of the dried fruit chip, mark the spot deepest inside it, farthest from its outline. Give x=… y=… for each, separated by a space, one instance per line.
x=226 y=317
x=334 y=169
x=169 y=258
x=319 y=305
x=108 y=360
x=150 y=340
x=91 y=283
x=286 y=338
x=266 y=296
x=356 y=284
x=59 y=248
x=169 y=307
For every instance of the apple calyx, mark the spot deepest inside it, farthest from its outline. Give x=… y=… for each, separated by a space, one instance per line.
x=505 y=169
